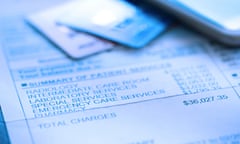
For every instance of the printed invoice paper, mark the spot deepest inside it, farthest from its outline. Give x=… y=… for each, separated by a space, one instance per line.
x=178 y=90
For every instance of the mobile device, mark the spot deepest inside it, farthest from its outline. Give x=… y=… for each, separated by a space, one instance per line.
x=218 y=19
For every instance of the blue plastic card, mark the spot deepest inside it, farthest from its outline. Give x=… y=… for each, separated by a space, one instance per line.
x=115 y=20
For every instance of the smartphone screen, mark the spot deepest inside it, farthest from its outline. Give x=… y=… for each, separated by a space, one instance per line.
x=225 y=13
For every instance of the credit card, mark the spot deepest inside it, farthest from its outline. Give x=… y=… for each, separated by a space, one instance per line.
x=74 y=44
x=115 y=20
